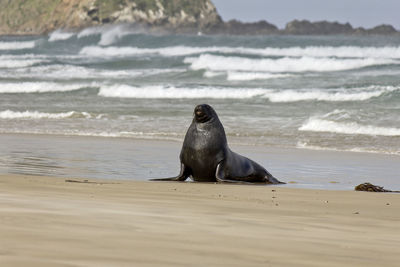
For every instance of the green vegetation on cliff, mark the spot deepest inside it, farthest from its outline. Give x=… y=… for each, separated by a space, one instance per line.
x=24 y=15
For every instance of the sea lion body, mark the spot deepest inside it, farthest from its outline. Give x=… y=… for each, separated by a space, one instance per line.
x=203 y=148
x=206 y=157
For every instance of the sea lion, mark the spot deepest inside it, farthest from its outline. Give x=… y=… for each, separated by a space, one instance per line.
x=206 y=157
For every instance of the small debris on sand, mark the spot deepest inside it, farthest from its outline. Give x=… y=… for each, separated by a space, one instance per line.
x=372 y=188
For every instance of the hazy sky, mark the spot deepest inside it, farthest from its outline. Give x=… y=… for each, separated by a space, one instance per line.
x=365 y=13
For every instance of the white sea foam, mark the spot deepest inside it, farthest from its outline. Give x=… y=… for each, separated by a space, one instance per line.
x=338 y=114
x=330 y=51
x=249 y=76
x=113 y=134
x=316 y=124
x=19 y=63
x=71 y=71
x=9 y=114
x=334 y=95
x=305 y=145
x=212 y=74
x=310 y=51
x=40 y=87
x=286 y=64
x=60 y=72
x=110 y=34
x=244 y=76
x=89 y=32
x=17 y=45
x=113 y=34
x=60 y=35
x=134 y=51
x=113 y=51
x=158 y=91
x=173 y=92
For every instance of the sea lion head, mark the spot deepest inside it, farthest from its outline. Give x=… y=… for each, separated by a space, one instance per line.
x=204 y=113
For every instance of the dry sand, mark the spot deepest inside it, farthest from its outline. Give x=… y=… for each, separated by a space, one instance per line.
x=45 y=221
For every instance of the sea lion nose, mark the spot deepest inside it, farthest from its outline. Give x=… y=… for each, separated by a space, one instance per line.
x=199 y=111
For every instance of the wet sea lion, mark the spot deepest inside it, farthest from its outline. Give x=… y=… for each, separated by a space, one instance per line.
x=206 y=157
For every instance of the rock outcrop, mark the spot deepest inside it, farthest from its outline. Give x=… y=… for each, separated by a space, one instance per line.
x=43 y=16
x=383 y=29
x=305 y=27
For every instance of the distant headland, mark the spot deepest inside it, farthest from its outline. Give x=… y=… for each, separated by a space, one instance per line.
x=19 y=17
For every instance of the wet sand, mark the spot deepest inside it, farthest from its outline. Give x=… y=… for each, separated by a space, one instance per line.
x=136 y=159
x=46 y=221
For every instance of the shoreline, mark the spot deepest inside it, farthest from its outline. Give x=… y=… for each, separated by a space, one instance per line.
x=141 y=159
x=50 y=222
x=180 y=140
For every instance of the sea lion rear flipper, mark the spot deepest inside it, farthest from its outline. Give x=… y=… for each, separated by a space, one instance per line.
x=272 y=180
x=249 y=176
x=221 y=176
x=183 y=175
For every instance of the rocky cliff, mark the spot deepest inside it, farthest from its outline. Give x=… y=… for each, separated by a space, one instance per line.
x=176 y=16
x=43 y=16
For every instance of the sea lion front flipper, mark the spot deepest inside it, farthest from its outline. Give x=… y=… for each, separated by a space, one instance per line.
x=220 y=173
x=183 y=175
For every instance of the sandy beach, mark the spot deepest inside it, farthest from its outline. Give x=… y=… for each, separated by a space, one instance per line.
x=95 y=102
x=46 y=221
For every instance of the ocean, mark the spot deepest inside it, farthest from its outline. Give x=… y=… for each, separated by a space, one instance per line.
x=320 y=93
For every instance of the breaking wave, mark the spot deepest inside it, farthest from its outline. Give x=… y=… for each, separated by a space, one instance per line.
x=89 y=32
x=163 y=51
x=60 y=35
x=330 y=51
x=40 y=87
x=333 y=95
x=110 y=34
x=9 y=114
x=127 y=91
x=305 y=145
x=18 y=63
x=159 y=91
x=244 y=76
x=316 y=124
x=250 y=76
x=113 y=51
x=32 y=69
x=286 y=64
x=310 y=51
x=58 y=71
x=17 y=45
